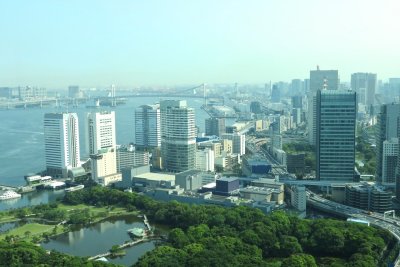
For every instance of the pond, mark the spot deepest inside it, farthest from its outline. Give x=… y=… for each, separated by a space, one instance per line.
x=100 y=237
x=32 y=199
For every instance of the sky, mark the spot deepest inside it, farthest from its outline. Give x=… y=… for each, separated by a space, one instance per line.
x=56 y=43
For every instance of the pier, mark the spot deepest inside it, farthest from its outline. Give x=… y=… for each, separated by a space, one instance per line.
x=146 y=223
x=125 y=245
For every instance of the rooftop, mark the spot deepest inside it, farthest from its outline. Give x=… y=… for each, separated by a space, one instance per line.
x=156 y=176
x=228 y=179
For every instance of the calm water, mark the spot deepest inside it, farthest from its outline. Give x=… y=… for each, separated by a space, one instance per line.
x=22 y=141
x=32 y=198
x=99 y=238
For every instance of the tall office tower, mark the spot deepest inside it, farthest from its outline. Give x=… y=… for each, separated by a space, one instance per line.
x=256 y=107
x=276 y=141
x=61 y=138
x=100 y=131
x=311 y=117
x=296 y=116
x=387 y=125
x=178 y=136
x=319 y=80
x=335 y=142
x=297 y=101
x=275 y=94
x=215 y=126
x=398 y=164
x=394 y=87
x=306 y=85
x=323 y=79
x=73 y=91
x=364 y=84
x=296 y=87
x=390 y=152
x=147 y=126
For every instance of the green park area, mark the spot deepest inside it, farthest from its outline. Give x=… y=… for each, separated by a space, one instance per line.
x=40 y=222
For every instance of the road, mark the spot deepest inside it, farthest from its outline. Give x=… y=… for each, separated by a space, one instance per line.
x=377 y=219
x=255 y=147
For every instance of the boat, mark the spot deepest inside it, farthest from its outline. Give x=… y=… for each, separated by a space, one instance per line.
x=136 y=232
x=74 y=188
x=9 y=195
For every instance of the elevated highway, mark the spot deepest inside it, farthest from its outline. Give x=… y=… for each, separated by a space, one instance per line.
x=392 y=224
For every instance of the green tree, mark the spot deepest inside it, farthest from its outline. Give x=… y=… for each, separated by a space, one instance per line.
x=178 y=238
x=300 y=260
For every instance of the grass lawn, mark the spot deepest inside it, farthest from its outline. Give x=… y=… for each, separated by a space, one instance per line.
x=7 y=218
x=94 y=210
x=33 y=228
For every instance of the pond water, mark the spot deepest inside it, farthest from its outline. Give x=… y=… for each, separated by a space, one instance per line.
x=31 y=199
x=99 y=238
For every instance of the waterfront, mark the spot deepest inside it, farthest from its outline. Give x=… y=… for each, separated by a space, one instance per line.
x=99 y=238
x=31 y=199
x=22 y=140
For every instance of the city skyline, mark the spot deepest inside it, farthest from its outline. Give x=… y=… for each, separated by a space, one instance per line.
x=97 y=43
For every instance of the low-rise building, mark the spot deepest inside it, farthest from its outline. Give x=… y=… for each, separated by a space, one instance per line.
x=226 y=185
x=298 y=197
x=154 y=180
x=104 y=167
x=128 y=157
x=255 y=166
x=368 y=197
x=189 y=180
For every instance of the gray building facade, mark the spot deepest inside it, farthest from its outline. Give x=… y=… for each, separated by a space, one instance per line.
x=335 y=142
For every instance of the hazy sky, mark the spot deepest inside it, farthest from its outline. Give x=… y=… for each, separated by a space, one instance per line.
x=169 y=42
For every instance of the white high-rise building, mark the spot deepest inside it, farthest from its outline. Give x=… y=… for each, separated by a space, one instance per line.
x=61 y=138
x=205 y=160
x=148 y=126
x=178 y=136
x=100 y=131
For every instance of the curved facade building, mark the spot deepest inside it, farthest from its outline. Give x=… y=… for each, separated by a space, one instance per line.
x=178 y=136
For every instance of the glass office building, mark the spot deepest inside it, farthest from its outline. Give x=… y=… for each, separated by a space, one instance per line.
x=336 y=112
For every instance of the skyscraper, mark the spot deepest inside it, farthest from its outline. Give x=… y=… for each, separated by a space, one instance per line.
x=178 y=136
x=387 y=126
x=100 y=131
x=74 y=92
x=61 y=138
x=215 y=126
x=275 y=94
x=323 y=79
x=319 y=80
x=336 y=125
x=147 y=126
x=390 y=152
x=364 y=84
